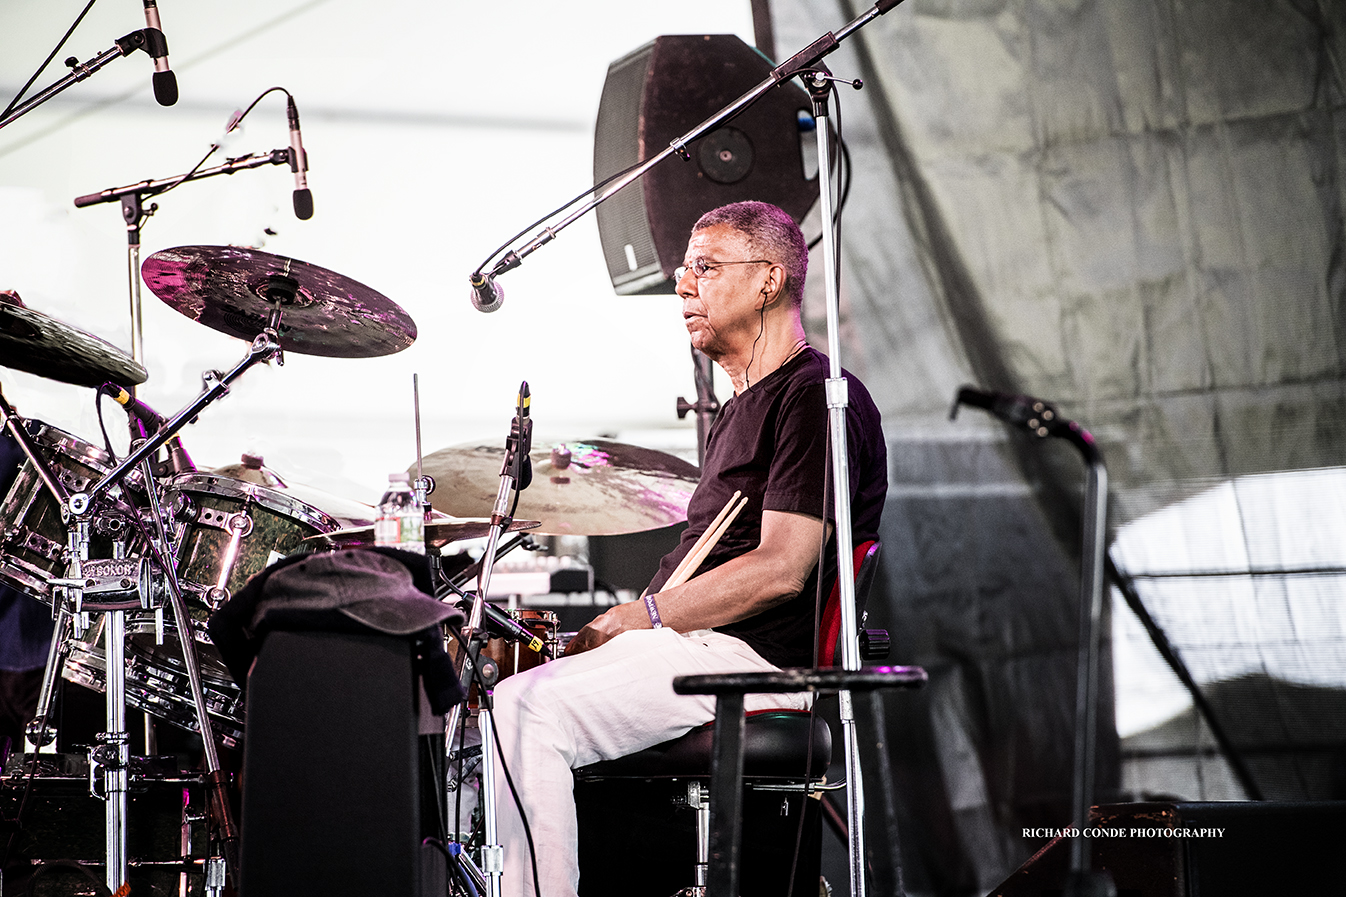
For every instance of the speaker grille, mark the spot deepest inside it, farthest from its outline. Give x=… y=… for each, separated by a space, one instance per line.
x=628 y=246
x=656 y=94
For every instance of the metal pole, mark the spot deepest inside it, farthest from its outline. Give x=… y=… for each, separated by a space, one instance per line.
x=117 y=753
x=837 y=402
x=1086 y=686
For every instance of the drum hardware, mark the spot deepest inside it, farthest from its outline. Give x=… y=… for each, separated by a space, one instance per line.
x=78 y=512
x=87 y=587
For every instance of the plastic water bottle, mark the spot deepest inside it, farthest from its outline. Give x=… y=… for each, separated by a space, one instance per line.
x=401 y=522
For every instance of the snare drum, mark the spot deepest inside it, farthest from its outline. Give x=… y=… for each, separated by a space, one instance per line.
x=511 y=657
x=156 y=677
x=32 y=536
x=229 y=530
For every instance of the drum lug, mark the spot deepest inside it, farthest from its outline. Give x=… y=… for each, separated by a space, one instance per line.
x=41 y=545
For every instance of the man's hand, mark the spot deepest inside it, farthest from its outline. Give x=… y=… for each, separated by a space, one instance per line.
x=609 y=625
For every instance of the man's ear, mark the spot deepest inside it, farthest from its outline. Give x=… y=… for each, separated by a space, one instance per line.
x=774 y=286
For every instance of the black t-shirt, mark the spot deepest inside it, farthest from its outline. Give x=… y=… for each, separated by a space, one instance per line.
x=770 y=443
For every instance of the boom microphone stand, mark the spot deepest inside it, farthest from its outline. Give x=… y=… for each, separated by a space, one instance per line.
x=151 y=40
x=1042 y=420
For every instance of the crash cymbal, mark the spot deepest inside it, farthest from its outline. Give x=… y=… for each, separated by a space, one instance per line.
x=39 y=344
x=438 y=533
x=592 y=487
x=233 y=289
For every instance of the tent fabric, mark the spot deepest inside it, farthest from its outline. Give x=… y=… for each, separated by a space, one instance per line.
x=1132 y=210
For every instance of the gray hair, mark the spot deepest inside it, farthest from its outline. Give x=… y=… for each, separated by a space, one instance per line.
x=772 y=234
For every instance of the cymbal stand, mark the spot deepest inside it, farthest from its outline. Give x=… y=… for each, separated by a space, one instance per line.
x=215 y=385
x=512 y=472
x=218 y=867
x=111 y=586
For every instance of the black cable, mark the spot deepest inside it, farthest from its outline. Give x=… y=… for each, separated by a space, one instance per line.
x=40 y=69
x=843 y=167
x=527 y=830
x=107 y=442
x=552 y=214
x=234 y=123
x=841 y=193
x=454 y=867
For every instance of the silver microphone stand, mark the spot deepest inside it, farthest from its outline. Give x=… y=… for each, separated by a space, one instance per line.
x=517 y=447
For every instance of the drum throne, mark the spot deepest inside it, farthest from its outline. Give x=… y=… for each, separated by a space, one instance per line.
x=634 y=842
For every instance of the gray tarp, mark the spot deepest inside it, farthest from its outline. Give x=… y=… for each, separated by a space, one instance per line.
x=1129 y=208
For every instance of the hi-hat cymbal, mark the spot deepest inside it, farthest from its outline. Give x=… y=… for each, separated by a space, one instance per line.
x=39 y=344
x=233 y=289
x=438 y=532
x=592 y=487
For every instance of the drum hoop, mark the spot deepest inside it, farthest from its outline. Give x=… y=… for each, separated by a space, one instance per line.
x=68 y=444
x=270 y=499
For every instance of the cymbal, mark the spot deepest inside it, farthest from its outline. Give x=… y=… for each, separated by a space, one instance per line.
x=438 y=532
x=348 y=512
x=39 y=344
x=233 y=289
x=588 y=487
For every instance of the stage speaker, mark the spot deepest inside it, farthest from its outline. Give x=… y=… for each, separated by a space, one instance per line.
x=660 y=92
x=1227 y=848
x=333 y=783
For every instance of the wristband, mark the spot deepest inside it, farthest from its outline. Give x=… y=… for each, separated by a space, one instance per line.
x=653 y=611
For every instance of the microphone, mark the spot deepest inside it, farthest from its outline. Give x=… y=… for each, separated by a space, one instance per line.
x=165 y=82
x=303 y=197
x=178 y=459
x=1039 y=418
x=137 y=410
x=520 y=442
x=487 y=295
x=506 y=627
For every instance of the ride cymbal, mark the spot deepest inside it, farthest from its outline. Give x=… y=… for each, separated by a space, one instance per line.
x=233 y=289
x=39 y=344
x=593 y=487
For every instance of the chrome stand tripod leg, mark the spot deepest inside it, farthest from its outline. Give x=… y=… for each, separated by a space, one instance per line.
x=492 y=854
x=216 y=780
x=116 y=754
x=38 y=731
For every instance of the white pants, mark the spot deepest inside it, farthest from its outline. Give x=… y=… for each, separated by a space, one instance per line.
x=609 y=702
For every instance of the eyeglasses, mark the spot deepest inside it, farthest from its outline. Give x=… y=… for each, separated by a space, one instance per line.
x=701 y=266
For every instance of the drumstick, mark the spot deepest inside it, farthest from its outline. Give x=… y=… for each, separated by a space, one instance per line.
x=694 y=559
x=705 y=535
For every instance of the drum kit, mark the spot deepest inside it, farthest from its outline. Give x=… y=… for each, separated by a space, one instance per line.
x=133 y=554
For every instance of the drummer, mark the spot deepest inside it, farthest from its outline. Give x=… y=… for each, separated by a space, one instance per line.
x=751 y=606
